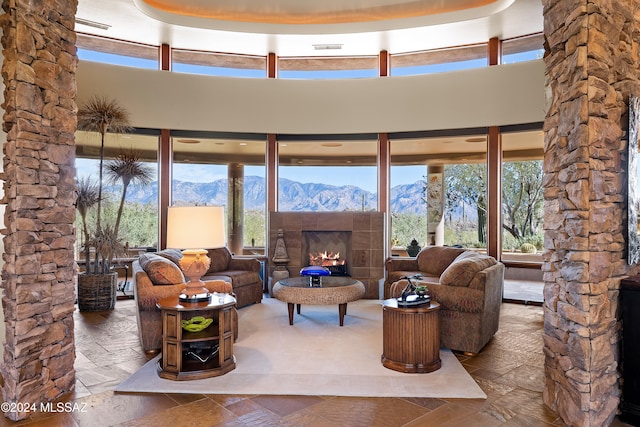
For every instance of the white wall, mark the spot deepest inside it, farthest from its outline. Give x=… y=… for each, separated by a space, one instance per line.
x=499 y=95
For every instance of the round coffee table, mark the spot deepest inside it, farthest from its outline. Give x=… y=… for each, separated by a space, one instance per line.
x=333 y=290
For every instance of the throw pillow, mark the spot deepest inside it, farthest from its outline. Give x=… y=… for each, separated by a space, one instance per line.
x=160 y=270
x=220 y=258
x=464 y=268
x=171 y=254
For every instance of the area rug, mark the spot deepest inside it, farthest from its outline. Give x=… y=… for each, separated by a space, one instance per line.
x=314 y=356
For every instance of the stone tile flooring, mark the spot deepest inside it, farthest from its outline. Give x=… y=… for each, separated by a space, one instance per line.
x=509 y=370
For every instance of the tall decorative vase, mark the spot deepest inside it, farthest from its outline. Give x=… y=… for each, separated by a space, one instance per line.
x=413 y=248
x=97 y=292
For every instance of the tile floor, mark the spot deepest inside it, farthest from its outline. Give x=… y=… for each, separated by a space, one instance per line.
x=509 y=370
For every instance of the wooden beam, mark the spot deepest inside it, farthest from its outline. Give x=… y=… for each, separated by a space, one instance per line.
x=383 y=63
x=272 y=66
x=384 y=165
x=165 y=152
x=494 y=51
x=165 y=57
x=494 y=184
x=272 y=173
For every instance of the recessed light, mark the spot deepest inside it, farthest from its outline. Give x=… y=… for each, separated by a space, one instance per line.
x=243 y=144
x=477 y=139
x=189 y=141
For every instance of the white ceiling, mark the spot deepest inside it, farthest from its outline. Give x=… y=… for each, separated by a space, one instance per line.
x=359 y=26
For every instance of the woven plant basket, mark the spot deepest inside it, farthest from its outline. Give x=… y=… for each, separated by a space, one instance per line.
x=97 y=292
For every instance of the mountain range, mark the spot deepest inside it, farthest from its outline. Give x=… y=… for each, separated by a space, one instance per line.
x=294 y=196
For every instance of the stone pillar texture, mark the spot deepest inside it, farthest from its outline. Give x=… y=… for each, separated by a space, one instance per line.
x=38 y=276
x=592 y=68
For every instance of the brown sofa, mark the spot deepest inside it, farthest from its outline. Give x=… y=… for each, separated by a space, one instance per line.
x=158 y=275
x=243 y=272
x=468 y=285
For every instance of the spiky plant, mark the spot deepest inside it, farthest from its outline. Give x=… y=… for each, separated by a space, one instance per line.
x=87 y=197
x=107 y=244
x=102 y=115
x=127 y=168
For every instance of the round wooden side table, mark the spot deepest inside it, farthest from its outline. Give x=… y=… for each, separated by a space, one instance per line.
x=411 y=337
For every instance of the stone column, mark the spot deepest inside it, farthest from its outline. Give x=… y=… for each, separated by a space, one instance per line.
x=435 y=205
x=592 y=68
x=39 y=70
x=235 y=210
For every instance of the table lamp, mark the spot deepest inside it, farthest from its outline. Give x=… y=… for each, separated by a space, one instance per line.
x=191 y=229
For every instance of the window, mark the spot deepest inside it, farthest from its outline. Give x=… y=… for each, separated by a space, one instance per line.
x=107 y=51
x=439 y=60
x=522 y=198
x=218 y=64
x=138 y=227
x=523 y=49
x=438 y=191
x=328 y=175
x=328 y=68
x=204 y=165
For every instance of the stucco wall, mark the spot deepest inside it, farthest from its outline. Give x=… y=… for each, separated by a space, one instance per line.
x=491 y=96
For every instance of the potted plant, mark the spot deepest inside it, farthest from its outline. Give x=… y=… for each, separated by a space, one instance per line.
x=97 y=285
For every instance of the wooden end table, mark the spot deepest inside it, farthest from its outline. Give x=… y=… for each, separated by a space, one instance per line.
x=192 y=355
x=410 y=337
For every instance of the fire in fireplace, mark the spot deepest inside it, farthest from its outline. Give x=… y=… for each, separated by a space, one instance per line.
x=330 y=260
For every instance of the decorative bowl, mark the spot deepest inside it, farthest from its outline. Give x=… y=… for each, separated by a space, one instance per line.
x=196 y=324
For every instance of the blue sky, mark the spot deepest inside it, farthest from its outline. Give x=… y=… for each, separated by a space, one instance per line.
x=362 y=177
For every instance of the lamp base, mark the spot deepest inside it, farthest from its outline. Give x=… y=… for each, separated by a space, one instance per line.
x=194 y=298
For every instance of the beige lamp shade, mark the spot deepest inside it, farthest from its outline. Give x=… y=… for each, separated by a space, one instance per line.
x=195 y=227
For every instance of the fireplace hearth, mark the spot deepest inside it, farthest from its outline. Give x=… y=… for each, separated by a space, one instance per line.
x=357 y=236
x=331 y=261
x=330 y=249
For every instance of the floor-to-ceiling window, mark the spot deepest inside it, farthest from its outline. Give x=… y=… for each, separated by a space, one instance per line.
x=138 y=227
x=438 y=190
x=522 y=198
x=328 y=175
x=223 y=170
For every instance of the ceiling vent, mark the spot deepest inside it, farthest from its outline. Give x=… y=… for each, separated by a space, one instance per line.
x=327 y=46
x=93 y=24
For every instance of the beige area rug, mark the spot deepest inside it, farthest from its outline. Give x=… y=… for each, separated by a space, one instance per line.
x=315 y=356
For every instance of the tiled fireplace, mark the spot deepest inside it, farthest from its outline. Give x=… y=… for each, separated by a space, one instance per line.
x=357 y=236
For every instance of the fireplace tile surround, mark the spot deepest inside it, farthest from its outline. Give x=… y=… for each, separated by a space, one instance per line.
x=367 y=242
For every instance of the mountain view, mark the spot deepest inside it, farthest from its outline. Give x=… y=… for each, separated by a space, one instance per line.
x=294 y=196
